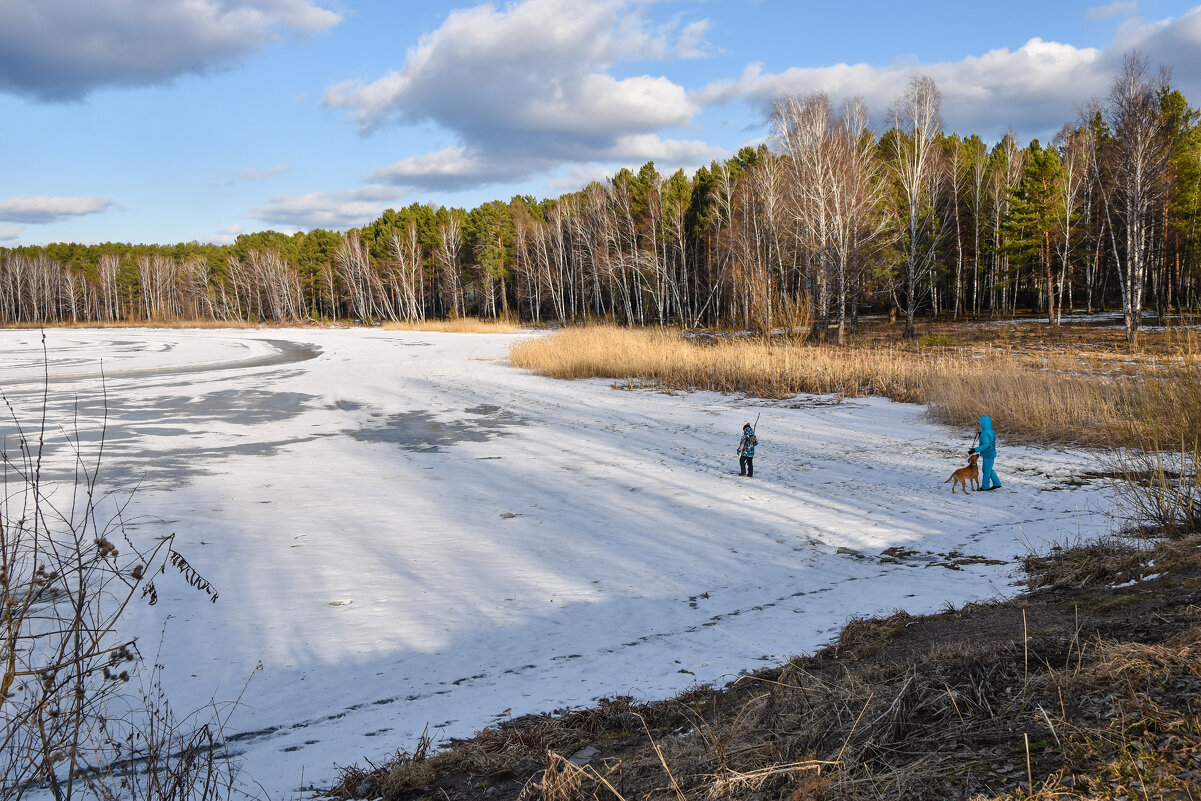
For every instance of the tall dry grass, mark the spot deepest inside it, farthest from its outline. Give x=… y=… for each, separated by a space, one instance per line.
x=1030 y=397
x=459 y=325
x=754 y=366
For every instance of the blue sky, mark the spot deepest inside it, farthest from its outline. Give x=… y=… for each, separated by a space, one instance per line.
x=178 y=120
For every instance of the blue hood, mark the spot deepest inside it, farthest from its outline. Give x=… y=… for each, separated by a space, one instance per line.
x=986 y=424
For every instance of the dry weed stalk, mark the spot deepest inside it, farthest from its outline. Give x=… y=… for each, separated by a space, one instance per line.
x=755 y=779
x=562 y=780
x=662 y=761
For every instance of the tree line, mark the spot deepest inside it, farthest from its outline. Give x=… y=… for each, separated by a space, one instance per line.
x=828 y=222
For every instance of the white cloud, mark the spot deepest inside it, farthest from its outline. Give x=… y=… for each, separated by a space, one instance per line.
x=575 y=177
x=454 y=168
x=987 y=93
x=669 y=155
x=334 y=210
x=55 y=50
x=1034 y=89
x=34 y=209
x=525 y=88
x=1099 y=13
x=9 y=233
x=666 y=153
x=227 y=235
x=692 y=42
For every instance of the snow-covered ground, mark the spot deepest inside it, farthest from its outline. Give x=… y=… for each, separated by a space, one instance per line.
x=406 y=531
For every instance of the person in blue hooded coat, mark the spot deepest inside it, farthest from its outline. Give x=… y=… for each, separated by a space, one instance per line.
x=988 y=452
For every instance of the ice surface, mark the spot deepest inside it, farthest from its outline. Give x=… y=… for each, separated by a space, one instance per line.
x=406 y=531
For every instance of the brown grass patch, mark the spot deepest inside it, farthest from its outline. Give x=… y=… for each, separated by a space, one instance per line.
x=1067 y=396
x=459 y=325
x=766 y=368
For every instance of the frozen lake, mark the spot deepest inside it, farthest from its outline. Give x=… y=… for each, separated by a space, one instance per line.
x=405 y=531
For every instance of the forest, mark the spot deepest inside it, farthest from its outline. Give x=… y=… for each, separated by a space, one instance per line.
x=826 y=223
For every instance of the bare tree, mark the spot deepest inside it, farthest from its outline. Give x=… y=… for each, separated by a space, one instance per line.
x=354 y=268
x=407 y=277
x=1131 y=164
x=106 y=272
x=834 y=193
x=449 y=258
x=1074 y=145
x=917 y=120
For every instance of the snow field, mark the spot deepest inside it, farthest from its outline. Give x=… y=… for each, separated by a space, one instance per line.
x=406 y=531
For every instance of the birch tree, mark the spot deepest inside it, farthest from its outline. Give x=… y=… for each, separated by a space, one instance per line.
x=1131 y=167
x=917 y=119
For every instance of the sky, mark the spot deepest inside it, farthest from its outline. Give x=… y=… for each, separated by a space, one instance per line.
x=164 y=121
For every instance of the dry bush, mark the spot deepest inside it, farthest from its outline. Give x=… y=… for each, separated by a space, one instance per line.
x=1159 y=489
x=71 y=726
x=1102 y=562
x=459 y=325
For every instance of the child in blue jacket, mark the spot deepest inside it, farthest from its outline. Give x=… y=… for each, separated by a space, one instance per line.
x=988 y=452
x=746 y=451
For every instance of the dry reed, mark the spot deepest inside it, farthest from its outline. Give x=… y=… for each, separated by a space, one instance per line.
x=1031 y=397
x=459 y=325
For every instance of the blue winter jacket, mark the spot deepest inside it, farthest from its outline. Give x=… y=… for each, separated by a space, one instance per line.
x=748 y=442
x=988 y=439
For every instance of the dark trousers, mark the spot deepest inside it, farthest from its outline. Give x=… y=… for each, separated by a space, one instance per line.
x=746 y=466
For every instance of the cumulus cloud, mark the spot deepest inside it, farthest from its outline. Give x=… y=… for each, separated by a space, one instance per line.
x=56 y=50
x=525 y=88
x=458 y=167
x=666 y=153
x=1034 y=89
x=333 y=210
x=9 y=233
x=454 y=168
x=34 y=209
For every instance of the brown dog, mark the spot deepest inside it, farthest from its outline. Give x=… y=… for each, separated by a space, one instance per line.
x=965 y=474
